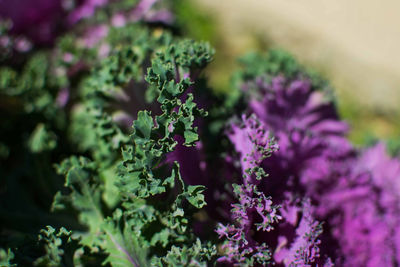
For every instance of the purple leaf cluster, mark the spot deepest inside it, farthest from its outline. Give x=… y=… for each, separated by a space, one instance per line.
x=316 y=174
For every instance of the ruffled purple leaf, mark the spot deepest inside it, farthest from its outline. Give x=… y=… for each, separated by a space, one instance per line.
x=253 y=144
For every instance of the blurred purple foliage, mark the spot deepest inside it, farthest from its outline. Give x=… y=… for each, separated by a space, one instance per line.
x=41 y=21
x=37 y=20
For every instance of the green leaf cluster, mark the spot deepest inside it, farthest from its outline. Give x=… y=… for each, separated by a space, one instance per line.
x=112 y=188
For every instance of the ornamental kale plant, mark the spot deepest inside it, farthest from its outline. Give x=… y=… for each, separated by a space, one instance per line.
x=333 y=206
x=115 y=152
x=121 y=203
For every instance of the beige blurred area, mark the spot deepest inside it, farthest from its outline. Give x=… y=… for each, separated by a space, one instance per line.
x=354 y=43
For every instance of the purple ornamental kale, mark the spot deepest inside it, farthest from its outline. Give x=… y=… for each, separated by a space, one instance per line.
x=356 y=193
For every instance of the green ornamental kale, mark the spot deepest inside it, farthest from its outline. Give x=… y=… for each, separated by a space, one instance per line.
x=117 y=201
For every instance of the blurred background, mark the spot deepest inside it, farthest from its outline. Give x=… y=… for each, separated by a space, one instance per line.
x=354 y=44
